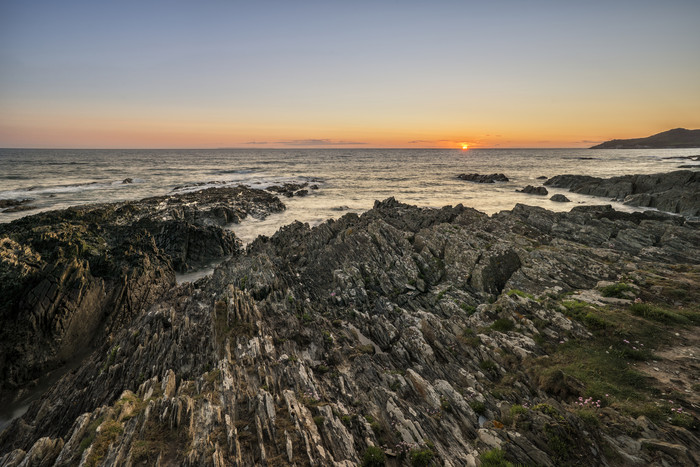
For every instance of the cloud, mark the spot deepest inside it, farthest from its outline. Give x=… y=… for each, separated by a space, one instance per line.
x=317 y=142
x=422 y=141
x=588 y=141
x=256 y=142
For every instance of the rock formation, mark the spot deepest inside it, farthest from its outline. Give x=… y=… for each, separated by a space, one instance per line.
x=478 y=178
x=15 y=205
x=402 y=336
x=71 y=277
x=676 y=192
x=291 y=189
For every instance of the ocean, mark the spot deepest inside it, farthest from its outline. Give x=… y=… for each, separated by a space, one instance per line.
x=349 y=180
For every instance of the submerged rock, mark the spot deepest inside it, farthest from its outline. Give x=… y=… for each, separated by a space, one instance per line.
x=15 y=205
x=559 y=198
x=478 y=178
x=291 y=189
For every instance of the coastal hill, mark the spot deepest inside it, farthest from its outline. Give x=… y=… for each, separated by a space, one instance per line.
x=676 y=138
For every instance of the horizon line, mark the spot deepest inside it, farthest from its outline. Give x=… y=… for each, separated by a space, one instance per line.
x=279 y=148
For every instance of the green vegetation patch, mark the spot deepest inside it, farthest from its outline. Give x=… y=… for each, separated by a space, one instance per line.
x=494 y=458
x=503 y=325
x=373 y=457
x=421 y=457
x=109 y=431
x=587 y=314
x=520 y=293
x=469 y=338
x=619 y=290
x=604 y=366
x=664 y=315
x=477 y=406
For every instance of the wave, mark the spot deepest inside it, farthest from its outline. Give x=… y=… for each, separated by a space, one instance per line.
x=32 y=192
x=234 y=171
x=258 y=182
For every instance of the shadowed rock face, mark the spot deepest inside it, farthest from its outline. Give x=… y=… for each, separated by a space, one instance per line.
x=380 y=329
x=69 y=277
x=676 y=192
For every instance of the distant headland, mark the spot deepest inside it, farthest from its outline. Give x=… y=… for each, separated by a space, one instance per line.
x=676 y=138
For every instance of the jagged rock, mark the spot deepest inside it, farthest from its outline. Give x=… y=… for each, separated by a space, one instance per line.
x=73 y=276
x=291 y=189
x=676 y=192
x=479 y=178
x=414 y=329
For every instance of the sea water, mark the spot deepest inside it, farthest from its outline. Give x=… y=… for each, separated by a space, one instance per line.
x=349 y=180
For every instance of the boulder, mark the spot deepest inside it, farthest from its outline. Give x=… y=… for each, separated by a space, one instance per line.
x=559 y=198
x=534 y=190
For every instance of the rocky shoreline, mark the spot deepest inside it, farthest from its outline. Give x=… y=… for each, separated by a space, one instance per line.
x=74 y=276
x=676 y=192
x=402 y=336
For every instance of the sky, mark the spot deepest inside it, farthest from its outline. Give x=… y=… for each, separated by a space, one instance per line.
x=215 y=73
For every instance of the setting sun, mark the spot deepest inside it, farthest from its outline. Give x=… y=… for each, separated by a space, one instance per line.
x=465 y=147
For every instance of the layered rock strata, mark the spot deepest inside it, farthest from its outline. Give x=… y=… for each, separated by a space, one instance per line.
x=403 y=336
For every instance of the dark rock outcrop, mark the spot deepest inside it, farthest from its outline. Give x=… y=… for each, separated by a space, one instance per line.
x=559 y=198
x=534 y=190
x=428 y=332
x=676 y=192
x=73 y=277
x=15 y=205
x=479 y=178
x=291 y=189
